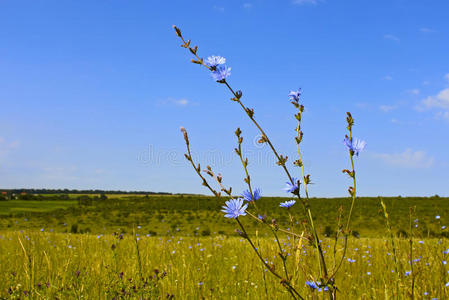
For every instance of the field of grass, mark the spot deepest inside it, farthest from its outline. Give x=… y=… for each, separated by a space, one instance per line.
x=158 y=247
x=65 y=266
x=200 y=215
x=14 y=207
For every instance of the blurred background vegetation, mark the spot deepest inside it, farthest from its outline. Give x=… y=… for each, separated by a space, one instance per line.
x=98 y=212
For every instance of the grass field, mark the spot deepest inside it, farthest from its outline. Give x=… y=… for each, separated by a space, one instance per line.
x=183 y=247
x=190 y=215
x=64 y=266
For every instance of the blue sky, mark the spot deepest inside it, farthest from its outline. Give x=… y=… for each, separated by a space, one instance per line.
x=93 y=93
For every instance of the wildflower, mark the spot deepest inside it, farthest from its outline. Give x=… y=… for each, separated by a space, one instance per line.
x=368 y=273
x=294 y=95
x=234 y=208
x=354 y=145
x=447 y=284
x=316 y=285
x=292 y=187
x=213 y=61
x=287 y=204
x=407 y=273
x=247 y=195
x=443 y=227
x=312 y=284
x=437 y=217
x=446 y=251
x=221 y=73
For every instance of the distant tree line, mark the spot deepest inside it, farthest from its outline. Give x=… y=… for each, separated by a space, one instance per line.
x=63 y=194
x=67 y=191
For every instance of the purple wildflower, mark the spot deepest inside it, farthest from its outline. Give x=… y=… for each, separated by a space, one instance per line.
x=292 y=187
x=234 y=208
x=294 y=95
x=221 y=73
x=248 y=197
x=213 y=61
x=354 y=145
x=287 y=204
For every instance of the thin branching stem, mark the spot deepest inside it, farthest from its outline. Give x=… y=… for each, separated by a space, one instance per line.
x=284 y=281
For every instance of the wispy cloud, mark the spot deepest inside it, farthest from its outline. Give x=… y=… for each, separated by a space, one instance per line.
x=407 y=159
x=387 y=77
x=392 y=38
x=426 y=30
x=442 y=115
x=414 y=91
x=387 y=108
x=247 y=5
x=182 y=102
x=441 y=100
x=219 y=8
x=302 y=2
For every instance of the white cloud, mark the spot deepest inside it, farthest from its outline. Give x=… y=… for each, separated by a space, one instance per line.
x=426 y=30
x=182 y=102
x=247 y=5
x=407 y=159
x=387 y=77
x=387 y=108
x=176 y=102
x=392 y=38
x=442 y=115
x=441 y=100
x=413 y=91
x=219 y=8
x=302 y=2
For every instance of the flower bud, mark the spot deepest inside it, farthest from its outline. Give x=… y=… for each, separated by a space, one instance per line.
x=178 y=31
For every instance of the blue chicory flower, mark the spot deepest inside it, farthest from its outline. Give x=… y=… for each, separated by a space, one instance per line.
x=312 y=284
x=221 y=73
x=316 y=285
x=234 y=208
x=292 y=187
x=407 y=273
x=247 y=195
x=294 y=95
x=354 y=145
x=287 y=204
x=215 y=60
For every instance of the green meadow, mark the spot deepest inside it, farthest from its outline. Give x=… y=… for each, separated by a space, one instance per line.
x=181 y=247
x=186 y=215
